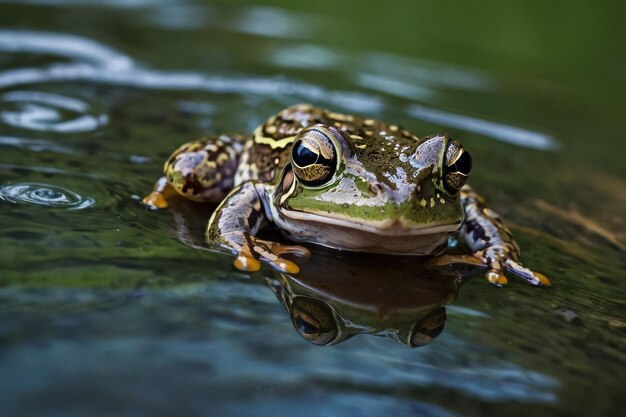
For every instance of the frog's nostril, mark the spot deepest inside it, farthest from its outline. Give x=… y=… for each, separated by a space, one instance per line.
x=375 y=188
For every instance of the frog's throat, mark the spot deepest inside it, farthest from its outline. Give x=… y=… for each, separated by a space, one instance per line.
x=397 y=228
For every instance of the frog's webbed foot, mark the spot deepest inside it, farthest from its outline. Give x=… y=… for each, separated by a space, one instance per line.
x=497 y=260
x=251 y=251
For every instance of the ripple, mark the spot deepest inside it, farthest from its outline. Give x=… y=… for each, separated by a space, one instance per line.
x=185 y=81
x=502 y=132
x=46 y=195
x=49 y=113
x=394 y=86
x=76 y=48
x=35 y=145
x=99 y=64
x=278 y=23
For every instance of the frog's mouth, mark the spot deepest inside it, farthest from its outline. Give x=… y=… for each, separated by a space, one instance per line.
x=392 y=237
x=397 y=227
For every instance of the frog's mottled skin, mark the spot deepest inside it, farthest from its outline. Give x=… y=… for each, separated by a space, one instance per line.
x=340 y=181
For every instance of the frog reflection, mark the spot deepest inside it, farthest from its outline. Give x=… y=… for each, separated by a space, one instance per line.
x=327 y=308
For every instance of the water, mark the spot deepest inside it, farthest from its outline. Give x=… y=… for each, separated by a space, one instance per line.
x=107 y=308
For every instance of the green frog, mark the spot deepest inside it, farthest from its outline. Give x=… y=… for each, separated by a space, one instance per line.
x=342 y=181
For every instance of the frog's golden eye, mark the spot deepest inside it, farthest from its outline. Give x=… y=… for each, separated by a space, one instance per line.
x=428 y=328
x=314 y=320
x=314 y=156
x=456 y=168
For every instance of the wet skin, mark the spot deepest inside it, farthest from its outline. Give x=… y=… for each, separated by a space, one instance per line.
x=344 y=182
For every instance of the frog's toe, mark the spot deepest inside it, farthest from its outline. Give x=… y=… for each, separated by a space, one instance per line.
x=297 y=250
x=247 y=263
x=495 y=270
x=532 y=277
x=545 y=281
x=250 y=255
x=271 y=252
x=496 y=277
x=285 y=265
x=155 y=200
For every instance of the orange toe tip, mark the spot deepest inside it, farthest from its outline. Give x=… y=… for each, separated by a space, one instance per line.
x=286 y=266
x=544 y=280
x=244 y=263
x=497 y=279
x=155 y=199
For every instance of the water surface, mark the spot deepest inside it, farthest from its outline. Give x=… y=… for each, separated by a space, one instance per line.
x=107 y=308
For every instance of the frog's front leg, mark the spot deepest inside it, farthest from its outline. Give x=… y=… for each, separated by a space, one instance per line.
x=202 y=170
x=484 y=233
x=234 y=224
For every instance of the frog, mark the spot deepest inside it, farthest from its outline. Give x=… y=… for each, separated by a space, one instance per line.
x=343 y=181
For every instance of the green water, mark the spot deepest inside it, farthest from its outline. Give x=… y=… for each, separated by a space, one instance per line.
x=110 y=309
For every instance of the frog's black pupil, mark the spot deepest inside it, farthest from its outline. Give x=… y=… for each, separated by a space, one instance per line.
x=464 y=163
x=303 y=156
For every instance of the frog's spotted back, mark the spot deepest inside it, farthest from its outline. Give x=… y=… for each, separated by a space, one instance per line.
x=271 y=142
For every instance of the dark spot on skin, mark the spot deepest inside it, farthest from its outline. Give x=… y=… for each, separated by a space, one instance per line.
x=192 y=184
x=476 y=230
x=253 y=217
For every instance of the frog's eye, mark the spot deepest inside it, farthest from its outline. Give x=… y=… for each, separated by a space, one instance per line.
x=314 y=320
x=457 y=167
x=314 y=156
x=428 y=328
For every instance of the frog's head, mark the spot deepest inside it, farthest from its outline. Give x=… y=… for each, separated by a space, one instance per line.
x=352 y=190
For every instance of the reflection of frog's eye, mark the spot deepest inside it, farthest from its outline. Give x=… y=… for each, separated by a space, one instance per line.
x=429 y=327
x=314 y=320
x=313 y=156
x=456 y=168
